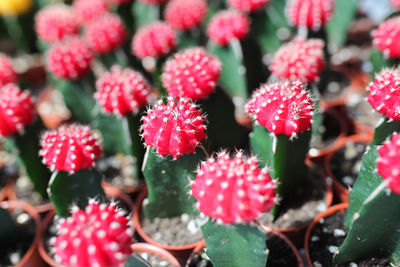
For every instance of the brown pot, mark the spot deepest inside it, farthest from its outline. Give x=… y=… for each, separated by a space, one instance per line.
x=128 y=189
x=31 y=257
x=5 y=191
x=157 y=251
x=180 y=252
x=111 y=192
x=340 y=207
x=342 y=192
x=268 y=230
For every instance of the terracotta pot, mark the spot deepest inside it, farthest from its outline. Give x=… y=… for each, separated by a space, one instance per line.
x=340 y=207
x=111 y=192
x=157 y=251
x=31 y=257
x=268 y=230
x=180 y=252
x=340 y=190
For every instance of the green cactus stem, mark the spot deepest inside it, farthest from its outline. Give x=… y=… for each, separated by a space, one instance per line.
x=385 y=128
x=168 y=183
x=136 y=261
x=26 y=147
x=77 y=188
x=235 y=245
x=144 y=13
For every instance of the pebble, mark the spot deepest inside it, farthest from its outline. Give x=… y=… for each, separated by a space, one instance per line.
x=317 y=264
x=339 y=232
x=353 y=264
x=314 y=238
x=333 y=249
x=348 y=180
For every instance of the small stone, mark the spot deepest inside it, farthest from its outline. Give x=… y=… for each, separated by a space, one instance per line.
x=339 y=232
x=333 y=249
x=317 y=264
x=314 y=238
x=353 y=264
x=348 y=180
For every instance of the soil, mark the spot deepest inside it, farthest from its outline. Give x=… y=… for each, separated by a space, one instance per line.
x=280 y=255
x=297 y=213
x=346 y=163
x=361 y=111
x=327 y=236
x=155 y=261
x=176 y=231
x=12 y=251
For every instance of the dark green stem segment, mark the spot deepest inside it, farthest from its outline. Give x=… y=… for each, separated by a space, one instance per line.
x=235 y=245
x=67 y=189
x=132 y=127
x=136 y=261
x=284 y=155
x=384 y=130
x=26 y=147
x=168 y=183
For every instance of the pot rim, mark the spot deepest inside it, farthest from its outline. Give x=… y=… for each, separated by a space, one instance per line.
x=151 y=249
x=328 y=212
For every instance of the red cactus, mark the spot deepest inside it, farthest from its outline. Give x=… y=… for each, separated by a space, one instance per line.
x=69 y=59
x=299 y=60
x=174 y=128
x=16 y=110
x=191 y=74
x=282 y=108
x=312 y=14
x=154 y=2
x=97 y=236
x=122 y=91
x=70 y=148
x=388 y=165
x=88 y=10
x=185 y=14
x=105 y=34
x=56 y=21
x=395 y=3
x=7 y=73
x=228 y=25
x=248 y=6
x=118 y=2
x=154 y=40
x=384 y=93
x=233 y=190
x=387 y=37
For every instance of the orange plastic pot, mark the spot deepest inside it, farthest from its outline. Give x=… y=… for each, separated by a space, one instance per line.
x=31 y=257
x=340 y=207
x=342 y=192
x=180 y=252
x=157 y=251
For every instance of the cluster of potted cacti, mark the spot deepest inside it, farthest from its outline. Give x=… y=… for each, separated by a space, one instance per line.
x=198 y=133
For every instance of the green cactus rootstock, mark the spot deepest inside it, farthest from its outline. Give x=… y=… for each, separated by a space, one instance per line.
x=284 y=155
x=373 y=221
x=77 y=188
x=235 y=245
x=385 y=129
x=168 y=183
x=136 y=261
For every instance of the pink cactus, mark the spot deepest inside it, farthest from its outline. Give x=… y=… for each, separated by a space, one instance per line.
x=105 y=34
x=7 y=73
x=312 y=14
x=154 y=2
x=97 y=236
x=388 y=165
x=233 y=190
x=384 y=93
x=122 y=91
x=185 y=14
x=55 y=22
x=395 y=3
x=118 y=2
x=387 y=37
x=16 y=110
x=282 y=108
x=248 y=6
x=299 y=60
x=228 y=25
x=174 y=128
x=70 y=148
x=191 y=74
x=88 y=10
x=69 y=59
x=154 y=40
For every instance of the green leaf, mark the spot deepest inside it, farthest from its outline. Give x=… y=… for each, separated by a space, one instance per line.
x=136 y=261
x=376 y=227
x=77 y=188
x=338 y=26
x=233 y=78
x=384 y=130
x=144 y=13
x=235 y=245
x=168 y=184
x=368 y=179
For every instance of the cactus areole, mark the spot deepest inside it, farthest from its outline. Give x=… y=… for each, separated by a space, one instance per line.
x=388 y=165
x=16 y=110
x=282 y=108
x=97 y=236
x=233 y=190
x=174 y=128
x=70 y=148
